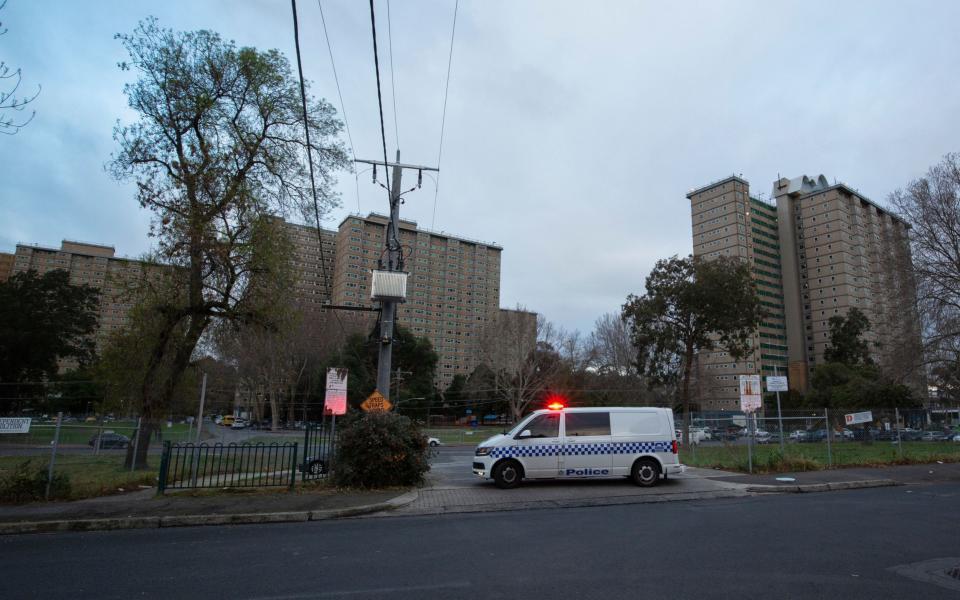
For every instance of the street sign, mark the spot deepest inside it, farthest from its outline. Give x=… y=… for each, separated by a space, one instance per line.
x=335 y=401
x=860 y=417
x=376 y=403
x=15 y=425
x=777 y=383
x=750 y=399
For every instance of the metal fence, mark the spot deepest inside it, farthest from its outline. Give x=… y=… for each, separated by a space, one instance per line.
x=800 y=440
x=198 y=466
x=319 y=450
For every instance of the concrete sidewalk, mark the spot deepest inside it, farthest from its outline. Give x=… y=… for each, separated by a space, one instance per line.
x=898 y=474
x=145 y=509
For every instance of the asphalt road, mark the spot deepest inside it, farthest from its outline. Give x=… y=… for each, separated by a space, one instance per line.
x=831 y=545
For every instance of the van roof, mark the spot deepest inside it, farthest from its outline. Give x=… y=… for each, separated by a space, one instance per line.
x=604 y=409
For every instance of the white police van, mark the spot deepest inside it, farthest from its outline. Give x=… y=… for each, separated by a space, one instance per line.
x=639 y=443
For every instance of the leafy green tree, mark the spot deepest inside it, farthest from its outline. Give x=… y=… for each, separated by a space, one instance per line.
x=850 y=379
x=411 y=354
x=219 y=147
x=691 y=305
x=44 y=319
x=846 y=344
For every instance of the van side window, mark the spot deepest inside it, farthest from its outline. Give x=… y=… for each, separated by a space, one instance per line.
x=545 y=426
x=588 y=424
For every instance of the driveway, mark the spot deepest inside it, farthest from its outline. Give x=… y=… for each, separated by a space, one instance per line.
x=452 y=487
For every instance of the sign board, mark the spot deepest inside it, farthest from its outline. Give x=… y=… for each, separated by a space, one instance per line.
x=860 y=417
x=335 y=401
x=750 y=398
x=777 y=383
x=15 y=425
x=376 y=403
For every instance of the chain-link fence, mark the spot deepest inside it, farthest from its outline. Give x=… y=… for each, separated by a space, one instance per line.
x=799 y=440
x=74 y=457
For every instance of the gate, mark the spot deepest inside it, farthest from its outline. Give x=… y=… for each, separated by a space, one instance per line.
x=319 y=448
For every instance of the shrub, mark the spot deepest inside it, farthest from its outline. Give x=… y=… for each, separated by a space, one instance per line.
x=379 y=450
x=26 y=483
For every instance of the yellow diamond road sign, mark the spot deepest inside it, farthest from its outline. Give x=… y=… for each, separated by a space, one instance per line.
x=376 y=402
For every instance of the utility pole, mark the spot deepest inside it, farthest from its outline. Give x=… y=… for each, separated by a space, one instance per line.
x=394 y=262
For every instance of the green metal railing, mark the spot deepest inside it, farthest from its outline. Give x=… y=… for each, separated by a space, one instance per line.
x=198 y=466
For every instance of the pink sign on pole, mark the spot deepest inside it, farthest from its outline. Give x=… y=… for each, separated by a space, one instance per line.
x=335 y=401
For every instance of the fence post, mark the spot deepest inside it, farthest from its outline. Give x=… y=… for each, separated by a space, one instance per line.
x=96 y=445
x=53 y=455
x=896 y=423
x=293 y=466
x=136 y=444
x=826 y=416
x=164 y=468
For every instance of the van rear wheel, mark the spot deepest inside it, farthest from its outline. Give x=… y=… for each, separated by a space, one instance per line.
x=645 y=472
x=507 y=474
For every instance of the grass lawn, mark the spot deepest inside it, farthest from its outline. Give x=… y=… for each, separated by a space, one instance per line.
x=810 y=457
x=89 y=475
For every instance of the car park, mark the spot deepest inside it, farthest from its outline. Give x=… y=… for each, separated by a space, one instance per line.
x=109 y=440
x=576 y=443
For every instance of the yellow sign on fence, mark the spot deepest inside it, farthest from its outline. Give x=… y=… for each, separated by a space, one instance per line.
x=376 y=403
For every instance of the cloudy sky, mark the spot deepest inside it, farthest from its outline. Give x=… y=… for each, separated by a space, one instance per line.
x=573 y=132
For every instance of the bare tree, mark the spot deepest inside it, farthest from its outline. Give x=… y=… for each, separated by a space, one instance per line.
x=611 y=350
x=11 y=100
x=931 y=205
x=526 y=353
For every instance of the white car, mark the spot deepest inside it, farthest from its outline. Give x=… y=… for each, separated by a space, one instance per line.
x=239 y=424
x=578 y=443
x=433 y=442
x=956 y=438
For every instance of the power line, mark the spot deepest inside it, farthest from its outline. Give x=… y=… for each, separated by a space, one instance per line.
x=383 y=132
x=343 y=107
x=393 y=84
x=306 y=129
x=443 y=118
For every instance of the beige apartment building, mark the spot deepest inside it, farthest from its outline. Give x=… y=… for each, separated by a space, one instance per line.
x=90 y=264
x=817 y=251
x=453 y=287
x=6 y=266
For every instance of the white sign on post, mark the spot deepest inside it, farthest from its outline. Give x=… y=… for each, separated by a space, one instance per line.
x=335 y=401
x=777 y=383
x=860 y=417
x=750 y=393
x=15 y=425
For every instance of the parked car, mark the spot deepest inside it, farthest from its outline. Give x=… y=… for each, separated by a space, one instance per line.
x=799 y=435
x=763 y=437
x=956 y=437
x=239 y=424
x=110 y=439
x=433 y=442
x=227 y=420
x=933 y=436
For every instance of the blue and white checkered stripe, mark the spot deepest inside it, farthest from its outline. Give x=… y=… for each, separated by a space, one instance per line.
x=584 y=449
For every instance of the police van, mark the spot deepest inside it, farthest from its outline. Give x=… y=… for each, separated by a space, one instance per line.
x=559 y=442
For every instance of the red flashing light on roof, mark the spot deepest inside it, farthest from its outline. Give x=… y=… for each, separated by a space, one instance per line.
x=555 y=406
x=556 y=403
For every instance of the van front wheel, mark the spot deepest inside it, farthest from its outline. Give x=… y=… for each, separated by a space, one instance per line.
x=645 y=472
x=507 y=474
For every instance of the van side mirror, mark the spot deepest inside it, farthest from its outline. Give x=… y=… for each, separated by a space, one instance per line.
x=524 y=434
